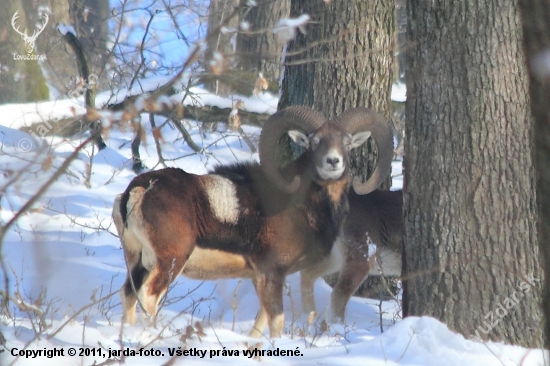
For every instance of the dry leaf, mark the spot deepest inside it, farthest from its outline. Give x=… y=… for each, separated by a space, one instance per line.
x=150 y=105
x=324 y=326
x=36 y=210
x=260 y=84
x=239 y=104
x=188 y=334
x=127 y=115
x=3 y=34
x=180 y=111
x=92 y=115
x=47 y=163
x=311 y=317
x=157 y=135
x=234 y=120
x=199 y=329
x=85 y=14
x=217 y=63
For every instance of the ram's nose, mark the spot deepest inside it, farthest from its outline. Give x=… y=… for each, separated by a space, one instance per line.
x=333 y=161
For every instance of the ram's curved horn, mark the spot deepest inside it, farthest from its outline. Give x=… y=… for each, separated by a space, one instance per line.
x=364 y=119
x=300 y=118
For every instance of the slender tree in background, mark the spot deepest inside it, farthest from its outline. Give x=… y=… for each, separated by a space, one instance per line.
x=536 y=43
x=471 y=252
x=218 y=10
x=259 y=49
x=90 y=19
x=248 y=46
x=223 y=45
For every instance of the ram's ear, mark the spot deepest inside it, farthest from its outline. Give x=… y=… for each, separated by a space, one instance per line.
x=299 y=138
x=359 y=139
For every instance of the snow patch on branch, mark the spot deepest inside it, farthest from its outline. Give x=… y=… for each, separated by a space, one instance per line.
x=285 y=29
x=245 y=26
x=66 y=28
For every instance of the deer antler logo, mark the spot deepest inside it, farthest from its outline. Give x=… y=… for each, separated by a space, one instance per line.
x=29 y=41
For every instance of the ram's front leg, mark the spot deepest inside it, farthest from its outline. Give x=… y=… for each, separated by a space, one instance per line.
x=328 y=265
x=269 y=287
x=261 y=319
x=353 y=273
x=307 y=281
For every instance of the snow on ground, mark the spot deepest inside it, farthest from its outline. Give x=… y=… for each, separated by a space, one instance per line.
x=64 y=256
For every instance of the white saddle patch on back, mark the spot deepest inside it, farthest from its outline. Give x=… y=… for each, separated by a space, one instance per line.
x=222 y=196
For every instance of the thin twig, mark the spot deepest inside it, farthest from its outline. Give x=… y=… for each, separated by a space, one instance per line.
x=22 y=305
x=406 y=348
x=27 y=206
x=247 y=140
x=156 y=138
x=50 y=336
x=186 y=136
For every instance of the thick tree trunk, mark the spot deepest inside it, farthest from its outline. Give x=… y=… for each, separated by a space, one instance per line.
x=536 y=43
x=471 y=252
x=345 y=60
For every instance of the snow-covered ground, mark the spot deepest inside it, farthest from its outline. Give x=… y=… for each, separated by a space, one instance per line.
x=64 y=257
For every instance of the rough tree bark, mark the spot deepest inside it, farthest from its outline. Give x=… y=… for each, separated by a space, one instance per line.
x=259 y=50
x=536 y=43
x=471 y=252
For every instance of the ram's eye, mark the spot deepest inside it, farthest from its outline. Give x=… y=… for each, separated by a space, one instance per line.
x=347 y=141
x=314 y=141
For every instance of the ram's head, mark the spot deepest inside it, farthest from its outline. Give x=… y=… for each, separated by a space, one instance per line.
x=327 y=143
